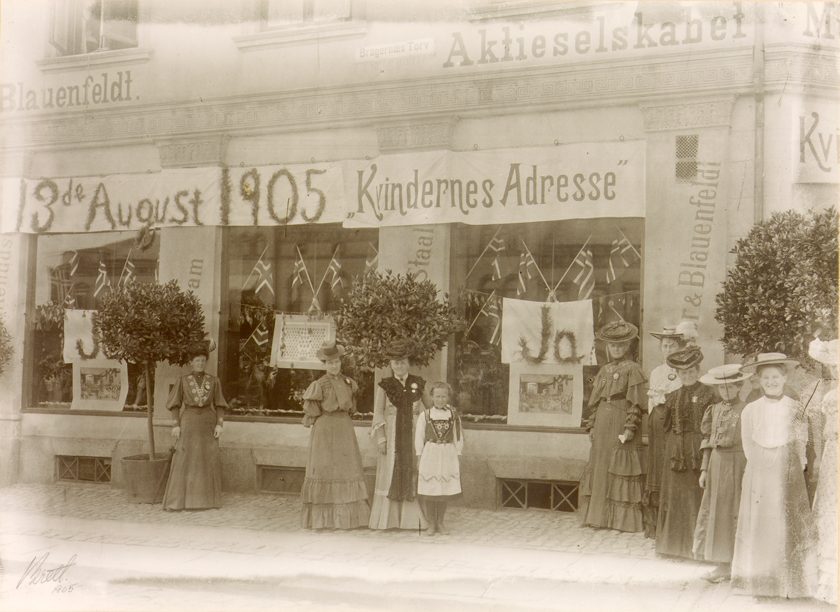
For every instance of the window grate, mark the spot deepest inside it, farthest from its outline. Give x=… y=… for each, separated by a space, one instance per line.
x=561 y=496
x=686 y=158
x=273 y=479
x=73 y=468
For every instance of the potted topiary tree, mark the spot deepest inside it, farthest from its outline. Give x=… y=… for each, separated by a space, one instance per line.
x=381 y=307
x=147 y=323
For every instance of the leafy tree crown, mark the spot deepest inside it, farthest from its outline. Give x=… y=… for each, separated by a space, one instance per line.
x=148 y=323
x=381 y=308
x=783 y=287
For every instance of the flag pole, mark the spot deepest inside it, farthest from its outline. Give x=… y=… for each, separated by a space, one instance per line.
x=536 y=265
x=323 y=278
x=639 y=255
x=308 y=279
x=487 y=301
x=125 y=265
x=254 y=268
x=483 y=252
x=571 y=264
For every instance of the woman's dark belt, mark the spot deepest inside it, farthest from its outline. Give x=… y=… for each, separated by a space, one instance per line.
x=615 y=397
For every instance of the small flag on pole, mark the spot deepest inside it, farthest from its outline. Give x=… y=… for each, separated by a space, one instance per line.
x=585 y=278
x=492 y=311
x=334 y=269
x=372 y=260
x=298 y=276
x=527 y=271
x=258 y=338
x=497 y=245
x=622 y=256
x=128 y=274
x=102 y=280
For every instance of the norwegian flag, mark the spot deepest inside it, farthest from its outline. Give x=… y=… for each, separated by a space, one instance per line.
x=299 y=275
x=263 y=285
x=334 y=269
x=585 y=278
x=127 y=275
x=372 y=259
x=102 y=280
x=492 y=310
x=527 y=271
x=497 y=245
x=622 y=256
x=72 y=259
x=259 y=338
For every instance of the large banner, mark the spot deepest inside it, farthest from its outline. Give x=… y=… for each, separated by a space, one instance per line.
x=265 y=196
x=547 y=333
x=573 y=181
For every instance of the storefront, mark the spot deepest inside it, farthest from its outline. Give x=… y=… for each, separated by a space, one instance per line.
x=549 y=167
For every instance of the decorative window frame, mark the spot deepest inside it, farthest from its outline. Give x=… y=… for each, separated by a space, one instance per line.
x=101 y=59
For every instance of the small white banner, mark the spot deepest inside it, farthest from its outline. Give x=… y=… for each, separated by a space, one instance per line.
x=539 y=333
x=404 y=48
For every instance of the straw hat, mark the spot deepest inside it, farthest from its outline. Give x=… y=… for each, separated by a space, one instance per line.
x=685 y=359
x=824 y=352
x=617 y=331
x=668 y=331
x=765 y=359
x=329 y=350
x=725 y=374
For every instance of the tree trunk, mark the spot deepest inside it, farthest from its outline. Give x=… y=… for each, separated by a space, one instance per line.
x=150 y=410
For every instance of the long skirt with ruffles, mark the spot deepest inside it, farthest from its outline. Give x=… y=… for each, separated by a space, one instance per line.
x=195 y=478
x=334 y=493
x=613 y=480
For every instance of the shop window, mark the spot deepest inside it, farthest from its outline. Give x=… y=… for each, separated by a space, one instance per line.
x=84 y=469
x=304 y=270
x=561 y=496
x=88 y=26
x=283 y=13
x=686 y=168
x=534 y=262
x=77 y=272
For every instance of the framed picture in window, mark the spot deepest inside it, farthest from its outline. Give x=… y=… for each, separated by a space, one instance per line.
x=548 y=395
x=297 y=339
x=99 y=384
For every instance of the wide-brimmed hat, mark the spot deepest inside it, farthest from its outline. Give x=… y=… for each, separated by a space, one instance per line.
x=766 y=359
x=725 y=374
x=202 y=347
x=824 y=352
x=684 y=359
x=617 y=331
x=399 y=349
x=668 y=331
x=329 y=350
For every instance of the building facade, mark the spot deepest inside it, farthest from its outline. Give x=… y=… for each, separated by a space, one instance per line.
x=569 y=162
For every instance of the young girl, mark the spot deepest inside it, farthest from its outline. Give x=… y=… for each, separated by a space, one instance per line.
x=438 y=441
x=721 y=472
x=774 y=554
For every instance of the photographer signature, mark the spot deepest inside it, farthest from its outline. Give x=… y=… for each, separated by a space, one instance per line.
x=37 y=573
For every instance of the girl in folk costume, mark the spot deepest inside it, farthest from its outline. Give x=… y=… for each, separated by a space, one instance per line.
x=398 y=399
x=438 y=441
x=721 y=472
x=663 y=380
x=198 y=408
x=334 y=493
x=680 y=497
x=774 y=554
x=613 y=480
x=825 y=499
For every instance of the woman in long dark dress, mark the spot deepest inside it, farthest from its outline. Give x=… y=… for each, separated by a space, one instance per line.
x=613 y=480
x=334 y=493
x=680 y=496
x=198 y=408
x=663 y=380
x=398 y=399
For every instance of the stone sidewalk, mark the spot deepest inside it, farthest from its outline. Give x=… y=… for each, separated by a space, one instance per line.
x=252 y=554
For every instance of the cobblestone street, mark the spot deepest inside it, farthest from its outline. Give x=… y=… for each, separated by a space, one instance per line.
x=252 y=554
